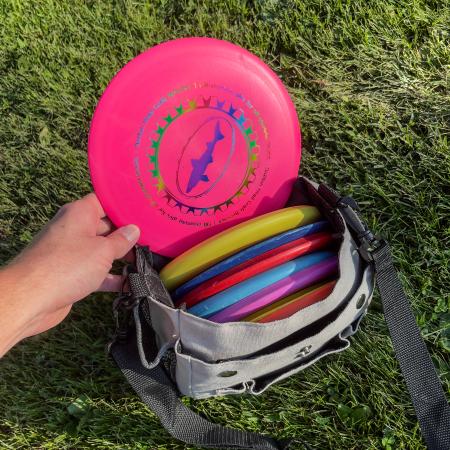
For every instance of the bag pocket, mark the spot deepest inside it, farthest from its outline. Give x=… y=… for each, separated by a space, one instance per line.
x=199 y=378
x=211 y=342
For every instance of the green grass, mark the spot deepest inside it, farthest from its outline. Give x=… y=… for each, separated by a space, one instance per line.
x=370 y=81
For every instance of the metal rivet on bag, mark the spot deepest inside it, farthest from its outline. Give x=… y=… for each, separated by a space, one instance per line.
x=304 y=351
x=227 y=373
x=361 y=301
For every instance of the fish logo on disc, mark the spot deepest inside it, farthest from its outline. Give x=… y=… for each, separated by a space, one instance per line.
x=200 y=165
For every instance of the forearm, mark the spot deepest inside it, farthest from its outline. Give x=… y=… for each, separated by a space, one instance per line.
x=15 y=307
x=70 y=258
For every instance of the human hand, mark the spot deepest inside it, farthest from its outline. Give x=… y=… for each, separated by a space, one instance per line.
x=70 y=258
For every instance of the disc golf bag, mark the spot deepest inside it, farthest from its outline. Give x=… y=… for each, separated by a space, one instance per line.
x=165 y=352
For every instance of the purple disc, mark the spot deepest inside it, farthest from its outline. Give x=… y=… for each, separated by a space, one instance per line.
x=280 y=289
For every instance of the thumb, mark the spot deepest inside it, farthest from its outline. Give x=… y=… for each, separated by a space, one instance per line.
x=123 y=239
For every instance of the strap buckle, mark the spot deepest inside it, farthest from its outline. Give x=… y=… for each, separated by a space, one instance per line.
x=122 y=307
x=368 y=242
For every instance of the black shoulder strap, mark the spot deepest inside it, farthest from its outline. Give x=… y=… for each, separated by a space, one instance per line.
x=158 y=391
x=155 y=386
x=424 y=387
x=422 y=381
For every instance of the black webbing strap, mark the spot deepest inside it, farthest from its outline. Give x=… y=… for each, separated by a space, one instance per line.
x=422 y=381
x=424 y=387
x=154 y=386
x=159 y=393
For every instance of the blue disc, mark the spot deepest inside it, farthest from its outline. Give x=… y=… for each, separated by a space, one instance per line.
x=248 y=287
x=248 y=253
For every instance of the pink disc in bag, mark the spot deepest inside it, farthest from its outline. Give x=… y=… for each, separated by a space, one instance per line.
x=191 y=137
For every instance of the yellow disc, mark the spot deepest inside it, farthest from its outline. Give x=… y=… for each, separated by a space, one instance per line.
x=228 y=242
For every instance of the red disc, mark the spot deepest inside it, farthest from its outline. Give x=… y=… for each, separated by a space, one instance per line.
x=256 y=265
x=288 y=306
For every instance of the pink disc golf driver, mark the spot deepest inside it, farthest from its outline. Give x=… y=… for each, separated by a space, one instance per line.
x=191 y=137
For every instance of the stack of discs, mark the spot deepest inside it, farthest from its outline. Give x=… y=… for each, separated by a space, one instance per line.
x=261 y=270
x=180 y=145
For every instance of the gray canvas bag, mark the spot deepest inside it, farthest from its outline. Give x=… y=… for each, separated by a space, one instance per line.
x=165 y=352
